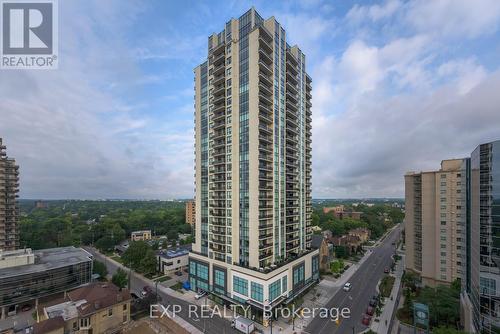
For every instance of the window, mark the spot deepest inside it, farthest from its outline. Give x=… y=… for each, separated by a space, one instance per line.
x=274 y=290
x=124 y=307
x=220 y=277
x=84 y=322
x=228 y=61
x=110 y=312
x=228 y=71
x=257 y=292
x=202 y=271
x=125 y=318
x=284 y=284
x=228 y=82
x=240 y=285
x=443 y=222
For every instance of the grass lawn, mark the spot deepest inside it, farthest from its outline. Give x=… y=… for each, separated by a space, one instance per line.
x=163 y=278
x=117 y=258
x=386 y=286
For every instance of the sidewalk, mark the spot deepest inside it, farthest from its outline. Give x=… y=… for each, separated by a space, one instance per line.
x=317 y=297
x=390 y=306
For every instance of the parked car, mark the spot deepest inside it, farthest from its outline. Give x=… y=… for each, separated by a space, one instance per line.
x=347 y=286
x=386 y=270
x=200 y=294
x=370 y=310
x=25 y=308
x=147 y=288
x=134 y=296
x=366 y=320
x=373 y=302
x=178 y=273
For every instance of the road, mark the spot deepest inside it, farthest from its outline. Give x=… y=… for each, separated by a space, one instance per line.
x=364 y=282
x=215 y=325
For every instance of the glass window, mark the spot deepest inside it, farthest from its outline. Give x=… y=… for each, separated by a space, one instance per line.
x=257 y=292
x=240 y=285
x=274 y=290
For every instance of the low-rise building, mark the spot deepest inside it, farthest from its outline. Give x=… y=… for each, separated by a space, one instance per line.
x=362 y=233
x=325 y=251
x=140 y=235
x=172 y=260
x=27 y=275
x=98 y=308
x=350 y=242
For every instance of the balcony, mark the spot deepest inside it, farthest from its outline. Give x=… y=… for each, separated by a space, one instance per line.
x=266 y=56
x=292 y=79
x=265 y=90
x=292 y=97
x=220 y=89
x=265 y=99
x=219 y=49
x=266 y=80
x=266 y=46
x=264 y=68
x=218 y=60
x=219 y=70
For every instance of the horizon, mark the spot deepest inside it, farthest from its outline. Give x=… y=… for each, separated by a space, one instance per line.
x=392 y=92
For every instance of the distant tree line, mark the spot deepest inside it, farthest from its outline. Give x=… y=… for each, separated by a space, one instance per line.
x=101 y=223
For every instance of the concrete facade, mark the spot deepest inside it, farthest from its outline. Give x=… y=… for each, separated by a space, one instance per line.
x=435 y=220
x=9 y=211
x=190 y=213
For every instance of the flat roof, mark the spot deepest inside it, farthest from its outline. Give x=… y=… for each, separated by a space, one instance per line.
x=47 y=259
x=171 y=254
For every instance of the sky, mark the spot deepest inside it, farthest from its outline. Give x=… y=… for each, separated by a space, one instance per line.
x=398 y=85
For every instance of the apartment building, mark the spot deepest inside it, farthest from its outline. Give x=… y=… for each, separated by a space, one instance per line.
x=98 y=308
x=435 y=222
x=140 y=235
x=9 y=211
x=480 y=301
x=190 y=213
x=253 y=167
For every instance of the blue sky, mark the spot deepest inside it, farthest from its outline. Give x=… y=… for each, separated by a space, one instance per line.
x=398 y=85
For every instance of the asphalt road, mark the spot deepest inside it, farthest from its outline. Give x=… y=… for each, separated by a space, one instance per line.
x=215 y=325
x=364 y=282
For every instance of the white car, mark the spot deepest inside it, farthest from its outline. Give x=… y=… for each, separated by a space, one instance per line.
x=347 y=286
x=200 y=294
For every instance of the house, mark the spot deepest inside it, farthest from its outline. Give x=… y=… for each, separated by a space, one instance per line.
x=362 y=233
x=122 y=247
x=172 y=260
x=140 y=235
x=350 y=242
x=98 y=308
x=325 y=251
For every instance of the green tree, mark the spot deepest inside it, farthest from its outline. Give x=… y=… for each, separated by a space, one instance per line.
x=446 y=330
x=140 y=257
x=100 y=269
x=148 y=263
x=341 y=252
x=120 y=278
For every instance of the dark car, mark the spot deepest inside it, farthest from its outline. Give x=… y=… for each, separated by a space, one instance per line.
x=370 y=310
x=386 y=270
x=178 y=273
x=366 y=320
x=373 y=302
x=25 y=308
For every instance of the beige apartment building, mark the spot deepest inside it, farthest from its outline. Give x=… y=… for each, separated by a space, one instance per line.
x=140 y=235
x=253 y=166
x=435 y=220
x=190 y=213
x=9 y=212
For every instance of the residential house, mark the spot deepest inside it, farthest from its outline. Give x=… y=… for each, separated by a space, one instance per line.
x=325 y=251
x=98 y=308
x=362 y=233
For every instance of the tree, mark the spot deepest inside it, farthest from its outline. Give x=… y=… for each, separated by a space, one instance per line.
x=341 y=252
x=100 y=269
x=140 y=257
x=148 y=263
x=120 y=278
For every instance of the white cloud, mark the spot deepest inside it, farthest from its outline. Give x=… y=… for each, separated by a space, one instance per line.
x=455 y=18
x=376 y=12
